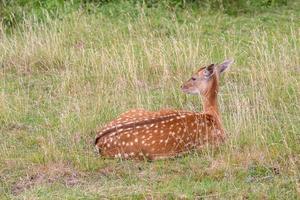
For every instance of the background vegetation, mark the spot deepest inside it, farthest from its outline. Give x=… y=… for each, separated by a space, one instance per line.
x=68 y=67
x=14 y=11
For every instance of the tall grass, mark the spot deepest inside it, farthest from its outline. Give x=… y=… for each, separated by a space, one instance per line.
x=64 y=78
x=13 y=12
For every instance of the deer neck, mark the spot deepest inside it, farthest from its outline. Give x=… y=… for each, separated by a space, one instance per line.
x=210 y=100
x=210 y=106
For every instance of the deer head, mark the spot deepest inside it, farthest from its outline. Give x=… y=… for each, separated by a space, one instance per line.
x=202 y=81
x=205 y=82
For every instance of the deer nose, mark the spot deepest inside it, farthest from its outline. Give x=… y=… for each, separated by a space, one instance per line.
x=183 y=87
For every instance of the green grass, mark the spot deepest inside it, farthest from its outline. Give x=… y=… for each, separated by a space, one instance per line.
x=64 y=78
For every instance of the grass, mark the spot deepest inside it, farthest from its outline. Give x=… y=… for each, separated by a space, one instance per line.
x=64 y=78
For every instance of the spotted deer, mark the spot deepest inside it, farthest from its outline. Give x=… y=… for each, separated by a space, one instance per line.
x=142 y=134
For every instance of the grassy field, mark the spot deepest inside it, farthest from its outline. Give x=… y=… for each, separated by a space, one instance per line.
x=63 y=78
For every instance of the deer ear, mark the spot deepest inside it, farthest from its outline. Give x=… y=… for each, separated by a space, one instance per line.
x=225 y=65
x=209 y=70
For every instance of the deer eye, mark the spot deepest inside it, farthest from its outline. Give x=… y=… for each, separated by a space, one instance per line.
x=193 y=78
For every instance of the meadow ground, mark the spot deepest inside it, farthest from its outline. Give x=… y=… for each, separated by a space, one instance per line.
x=64 y=78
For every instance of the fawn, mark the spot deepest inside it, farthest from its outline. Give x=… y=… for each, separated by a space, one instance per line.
x=142 y=134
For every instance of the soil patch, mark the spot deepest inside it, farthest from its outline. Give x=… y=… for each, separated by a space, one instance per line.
x=48 y=174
